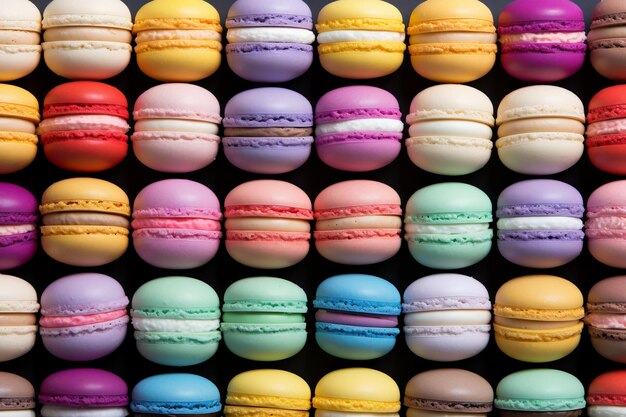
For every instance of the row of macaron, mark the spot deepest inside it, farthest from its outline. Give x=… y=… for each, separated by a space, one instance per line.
x=542 y=41
x=447 y=317
x=347 y=391
x=270 y=130
x=177 y=223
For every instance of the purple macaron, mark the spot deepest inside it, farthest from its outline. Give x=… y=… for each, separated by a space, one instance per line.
x=542 y=40
x=268 y=130
x=540 y=223
x=18 y=229
x=269 y=40
x=358 y=128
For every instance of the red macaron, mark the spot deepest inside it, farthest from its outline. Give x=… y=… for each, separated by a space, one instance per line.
x=606 y=130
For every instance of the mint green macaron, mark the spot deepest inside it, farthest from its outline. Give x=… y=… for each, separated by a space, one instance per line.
x=176 y=321
x=447 y=225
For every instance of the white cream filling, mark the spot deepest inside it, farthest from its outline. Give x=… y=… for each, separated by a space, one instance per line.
x=457 y=128
x=48 y=410
x=605 y=411
x=14 y=229
x=176 y=125
x=549 y=37
x=368 y=125
x=13 y=124
x=359 y=35
x=268 y=224
x=540 y=223
x=447 y=229
x=448 y=318
x=333 y=413
x=173 y=325
x=281 y=35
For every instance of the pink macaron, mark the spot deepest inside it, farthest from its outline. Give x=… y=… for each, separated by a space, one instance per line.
x=176 y=224
x=605 y=227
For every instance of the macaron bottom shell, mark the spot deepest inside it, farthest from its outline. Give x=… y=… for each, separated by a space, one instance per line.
x=83 y=246
x=361 y=65
x=269 y=62
x=519 y=343
x=609 y=158
x=354 y=346
x=611 y=252
x=16 y=254
x=359 y=156
x=540 y=157
x=175 y=252
x=535 y=253
x=97 y=61
x=267 y=155
x=84 y=344
x=172 y=156
x=609 y=344
x=609 y=62
x=267 y=254
x=542 y=67
x=449 y=255
x=172 y=349
x=265 y=342
x=359 y=251
x=447 y=159
x=453 y=68
x=447 y=348
x=16 y=155
x=18 y=61
x=16 y=341
x=179 y=64
x=83 y=155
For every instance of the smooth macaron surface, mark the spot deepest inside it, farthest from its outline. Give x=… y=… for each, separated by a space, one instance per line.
x=18 y=309
x=83 y=388
x=606 y=139
x=20 y=48
x=604 y=227
x=18 y=218
x=606 y=394
x=18 y=135
x=605 y=39
x=18 y=394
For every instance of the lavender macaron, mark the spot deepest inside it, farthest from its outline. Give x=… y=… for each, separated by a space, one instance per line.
x=540 y=223
x=269 y=40
x=18 y=229
x=268 y=130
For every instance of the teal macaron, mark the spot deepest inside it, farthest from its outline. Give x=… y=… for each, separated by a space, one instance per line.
x=176 y=321
x=447 y=225
x=264 y=319
x=540 y=391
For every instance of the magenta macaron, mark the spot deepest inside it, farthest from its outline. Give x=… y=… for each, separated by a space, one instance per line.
x=176 y=224
x=358 y=128
x=18 y=229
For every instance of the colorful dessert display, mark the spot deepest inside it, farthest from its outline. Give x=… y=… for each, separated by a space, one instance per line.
x=267 y=391
x=268 y=130
x=358 y=128
x=18 y=225
x=176 y=224
x=450 y=129
x=606 y=139
x=540 y=223
x=540 y=392
x=607 y=39
x=178 y=40
x=267 y=224
x=83 y=316
x=447 y=225
x=263 y=318
x=176 y=321
x=446 y=317
x=357 y=316
x=537 y=318
x=18 y=321
x=448 y=391
x=84 y=126
x=540 y=130
x=452 y=41
x=360 y=39
x=19 y=116
x=20 y=26
x=604 y=228
x=176 y=127
x=18 y=395
x=542 y=40
x=87 y=40
x=606 y=394
x=606 y=314
x=83 y=391
x=269 y=41
x=85 y=221
x=174 y=394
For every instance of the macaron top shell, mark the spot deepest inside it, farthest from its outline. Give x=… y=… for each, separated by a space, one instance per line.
x=265 y=294
x=606 y=292
x=22 y=15
x=84 y=387
x=153 y=11
x=177 y=101
x=356 y=194
x=94 y=194
x=20 y=103
x=445 y=292
x=520 y=296
x=269 y=193
x=175 y=393
x=85 y=97
x=284 y=13
x=428 y=12
x=349 y=103
x=268 y=106
x=608 y=388
x=606 y=104
x=524 y=12
x=608 y=199
x=450 y=197
x=358 y=293
x=540 y=197
x=356 y=13
x=540 y=101
x=451 y=101
x=602 y=11
x=17 y=391
x=17 y=296
x=106 y=13
x=272 y=385
x=18 y=202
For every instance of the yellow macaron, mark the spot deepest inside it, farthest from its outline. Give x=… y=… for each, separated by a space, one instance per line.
x=19 y=116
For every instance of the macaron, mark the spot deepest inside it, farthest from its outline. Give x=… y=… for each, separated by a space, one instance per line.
x=540 y=130
x=267 y=392
x=19 y=116
x=360 y=39
x=607 y=39
x=449 y=391
x=606 y=139
x=18 y=395
x=85 y=126
x=20 y=26
x=357 y=316
x=85 y=221
x=176 y=127
x=452 y=41
x=18 y=225
x=542 y=40
x=267 y=224
x=605 y=226
x=446 y=317
x=357 y=222
x=540 y=223
x=447 y=225
x=178 y=40
x=83 y=316
x=606 y=314
x=269 y=41
x=263 y=318
x=606 y=394
x=358 y=128
x=268 y=130
x=87 y=40
x=537 y=318
x=450 y=129
x=540 y=392
x=175 y=394
x=18 y=321
x=362 y=391
x=176 y=224
x=83 y=391
x=176 y=321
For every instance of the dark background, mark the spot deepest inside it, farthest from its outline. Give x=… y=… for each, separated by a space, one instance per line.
x=312 y=363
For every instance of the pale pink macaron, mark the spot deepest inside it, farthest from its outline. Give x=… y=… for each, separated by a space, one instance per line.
x=605 y=228
x=358 y=222
x=267 y=224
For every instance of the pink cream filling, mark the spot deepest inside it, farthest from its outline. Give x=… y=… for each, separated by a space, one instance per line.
x=191 y=224
x=83 y=122
x=606 y=321
x=607 y=127
x=549 y=37
x=352 y=319
x=71 y=321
